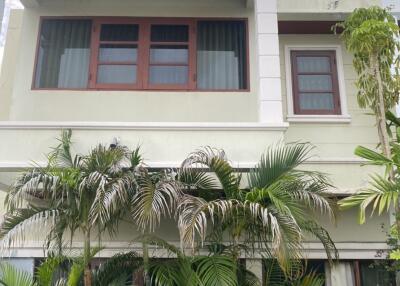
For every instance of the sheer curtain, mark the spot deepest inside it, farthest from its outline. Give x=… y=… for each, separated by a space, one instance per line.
x=221 y=55
x=64 y=54
x=340 y=274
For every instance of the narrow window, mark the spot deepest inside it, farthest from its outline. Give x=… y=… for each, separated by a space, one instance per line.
x=116 y=54
x=169 y=56
x=63 y=54
x=315 y=82
x=221 y=55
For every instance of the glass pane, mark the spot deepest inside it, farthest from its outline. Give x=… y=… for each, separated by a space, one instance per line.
x=372 y=275
x=316 y=101
x=64 y=54
x=117 y=74
x=169 y=33
x=313 y=64
x=169 y=54
x=118 y=53
x=168 y=75
x=315 y=83
x=119 y=32
x=221 y=55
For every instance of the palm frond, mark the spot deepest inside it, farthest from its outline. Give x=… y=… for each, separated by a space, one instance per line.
x=34 y=184
x=277 y=162
x=51 y=270
x=32 y=221
x=374 y=158
x=215 y=160
x=382 y=194
x=196 y=179
x=154 y=200
x=11 y=276
x=118 y=268
x=61 y=156
x=323 y=236
x=216 y=270
x=165 y=273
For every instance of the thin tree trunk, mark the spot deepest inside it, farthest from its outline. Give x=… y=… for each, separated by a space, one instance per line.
x=146 y=276
x=87 y=276
x=384 y=136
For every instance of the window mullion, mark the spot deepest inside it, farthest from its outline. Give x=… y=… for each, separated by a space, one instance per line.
x=192 y=77
x=144 y=52
x=95 y=45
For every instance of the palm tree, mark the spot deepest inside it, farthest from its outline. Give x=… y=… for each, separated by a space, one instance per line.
x=279 y=207
x=75 y=193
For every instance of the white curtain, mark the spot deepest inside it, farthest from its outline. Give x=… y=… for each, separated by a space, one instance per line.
x=340 y=274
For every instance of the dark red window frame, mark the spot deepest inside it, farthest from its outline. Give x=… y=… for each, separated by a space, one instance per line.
x=334 y=76
x=143 y=62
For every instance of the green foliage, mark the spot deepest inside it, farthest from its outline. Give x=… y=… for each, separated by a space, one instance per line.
x=117 y=270
x=54 y=268
x=216 y=270
x=11 y=276
x=372 y=35
x=276 y=211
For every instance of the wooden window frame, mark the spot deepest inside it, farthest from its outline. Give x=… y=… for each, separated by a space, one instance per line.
x=143 y=58
x=337 y=110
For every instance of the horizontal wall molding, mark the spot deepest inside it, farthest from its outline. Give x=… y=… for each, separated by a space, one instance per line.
x=184 y=126
x=312 y=250
x=18 y=165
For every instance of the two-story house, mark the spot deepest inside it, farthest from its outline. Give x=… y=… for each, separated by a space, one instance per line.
x=175 y=75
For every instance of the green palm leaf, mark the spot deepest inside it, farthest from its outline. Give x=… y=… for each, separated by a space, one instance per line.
x=117 y=269
x=383 y=194
x=216 y=270
x=277 y=162
x=11 y=276
x=215 y=160
x=153 y=201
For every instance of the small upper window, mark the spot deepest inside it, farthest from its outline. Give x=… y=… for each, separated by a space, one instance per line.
x=315 y=82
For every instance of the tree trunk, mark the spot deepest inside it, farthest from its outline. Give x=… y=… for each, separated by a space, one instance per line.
x=146 y=276
x=87 y=275
x=381 y=112
x=384 y=137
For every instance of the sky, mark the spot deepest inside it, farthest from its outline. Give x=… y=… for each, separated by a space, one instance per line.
x=9 y=4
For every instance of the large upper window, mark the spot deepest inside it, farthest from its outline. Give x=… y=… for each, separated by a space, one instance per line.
x=130 y=53
x=315 y=82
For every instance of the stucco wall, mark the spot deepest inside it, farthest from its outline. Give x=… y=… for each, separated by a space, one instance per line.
x=128 y=105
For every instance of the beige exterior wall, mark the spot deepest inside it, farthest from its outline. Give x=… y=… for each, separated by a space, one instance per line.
x=128 y=105
x=162 y=146
x=323 y=6
x=333 y=140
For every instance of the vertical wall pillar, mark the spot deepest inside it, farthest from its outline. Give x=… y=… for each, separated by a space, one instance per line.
x=269 y=74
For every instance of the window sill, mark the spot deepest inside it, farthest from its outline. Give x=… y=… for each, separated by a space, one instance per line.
x=319 y=118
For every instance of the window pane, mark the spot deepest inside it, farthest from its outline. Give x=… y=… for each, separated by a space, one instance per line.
x=221 y=55
x=316 y=101
x=169 y=33
x=315 y=83
x=64 y=54
x=168 y=75
x=117 y=53
x=119 y=32
x=169 y=54
x=117 y=74
x=313 y=64
x=372 y=275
